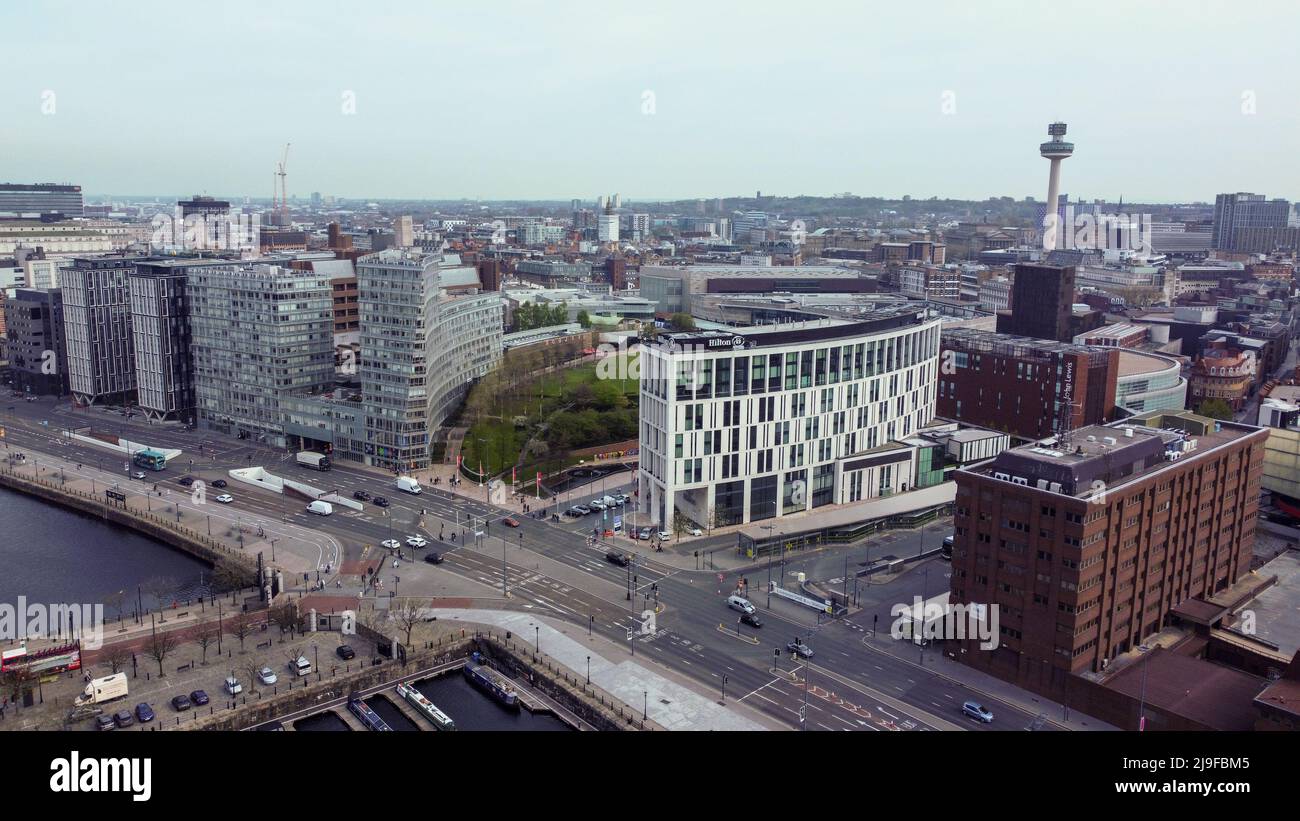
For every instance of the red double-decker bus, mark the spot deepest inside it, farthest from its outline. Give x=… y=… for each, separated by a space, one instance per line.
x=49 y=661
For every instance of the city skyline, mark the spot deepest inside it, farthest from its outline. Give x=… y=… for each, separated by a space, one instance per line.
x=420 y=103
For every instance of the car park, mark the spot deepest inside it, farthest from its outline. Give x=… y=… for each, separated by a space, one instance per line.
x=433 y=558
x=417 y=542
x=361 y=496
x=977 y=711
x=218 y=483
x=266 y=675
x=614 y=557
x=225 y=498
x=345 y=652
x=380 y=501
x=181 y=703
x=510 y=522
x=199 y=698
x=798 y=648
x=123 y=718
x=144 y=713
x=391 y=544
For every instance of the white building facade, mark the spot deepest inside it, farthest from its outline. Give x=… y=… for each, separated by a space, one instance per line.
x=766 y=422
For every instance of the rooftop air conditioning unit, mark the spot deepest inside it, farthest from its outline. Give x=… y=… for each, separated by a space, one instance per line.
x=1003 y=476
x=1092 y=439
x=1019 y=480
x=1055 y=487
x=1109 y=440
x=1128 y=432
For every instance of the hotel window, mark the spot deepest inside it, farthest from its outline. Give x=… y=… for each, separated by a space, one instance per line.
x=774 y=372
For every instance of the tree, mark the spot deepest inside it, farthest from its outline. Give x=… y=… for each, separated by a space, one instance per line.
x=116 y=656
x=1215 y=409
x=160 y=588
x=205 y=637
x=285 y=617
x=584 y=318
x=681 y=523
x=116 y=601
x=682 y=322
x=159 y=647
x=240 y=627
x=407 y=616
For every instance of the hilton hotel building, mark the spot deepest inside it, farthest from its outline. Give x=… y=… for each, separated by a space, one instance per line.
x=763 y=422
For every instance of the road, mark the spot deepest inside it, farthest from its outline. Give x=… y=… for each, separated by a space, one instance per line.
x=552 y=571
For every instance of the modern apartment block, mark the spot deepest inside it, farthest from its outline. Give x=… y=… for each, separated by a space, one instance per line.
x=768 y=421
x=161 y=336
x=427 y=333
x=930 y=282
x=1089 y=544
x=1245 y=212
x=258 y=332
x=97 y=321
x=33 y=325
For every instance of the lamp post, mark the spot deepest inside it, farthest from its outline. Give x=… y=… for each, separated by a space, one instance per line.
x=588 y=671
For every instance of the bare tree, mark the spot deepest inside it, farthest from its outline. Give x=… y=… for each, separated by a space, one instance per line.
x=286 y=618
x=159 y=647
x=407 y=615
x=160 y=588
x=116 y=601
x=116 y=656
x=205 y=637
x=251 y=669
x=240 y=626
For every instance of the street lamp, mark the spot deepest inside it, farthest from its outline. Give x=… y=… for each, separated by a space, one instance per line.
x=589 y=670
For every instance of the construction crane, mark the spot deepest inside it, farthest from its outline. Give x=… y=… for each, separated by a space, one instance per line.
x=284 y=188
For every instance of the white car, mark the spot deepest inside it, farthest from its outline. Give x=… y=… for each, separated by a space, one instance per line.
x=416 y=541
x=695 y=531
x=139 y=474
x=391 y=544
x=225 y=498
x=664 y=535
x=266 y=675
x=596 y=504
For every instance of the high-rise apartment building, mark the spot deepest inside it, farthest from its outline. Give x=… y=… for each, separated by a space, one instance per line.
x=97 y=323
x=1042 y=299
x=427 y=332
x=18 y=200
x=1086 y=545
x=1245 y=212
x=35 y=348
x=258 y=332
x=403 y=232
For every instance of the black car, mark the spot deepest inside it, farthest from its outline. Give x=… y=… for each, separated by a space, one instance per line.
x=198 y=698
x=380 y=501
x=105 y=722
x=218 y=482
x=346 y=652
x=433 y=558
x=614 y=557
x=361 y=496
x=186 y=480
x=181 y=703
x=751 y=619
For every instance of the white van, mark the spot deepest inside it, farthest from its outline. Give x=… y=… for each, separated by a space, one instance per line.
x=301 y=666
x=406 y=483
x=740 y=604
x=320 y=508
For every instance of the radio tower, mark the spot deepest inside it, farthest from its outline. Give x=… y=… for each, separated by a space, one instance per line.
x=1056 y=149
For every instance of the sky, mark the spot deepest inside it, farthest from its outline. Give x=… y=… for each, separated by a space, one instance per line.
x=1165 y=101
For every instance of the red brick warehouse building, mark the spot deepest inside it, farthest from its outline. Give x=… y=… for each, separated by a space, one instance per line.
x=1087 y=545
x=1029 y=388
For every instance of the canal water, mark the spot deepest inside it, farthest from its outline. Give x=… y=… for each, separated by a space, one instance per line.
x=51 y=554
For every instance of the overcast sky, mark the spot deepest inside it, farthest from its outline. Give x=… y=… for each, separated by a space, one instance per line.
x=1168 y=101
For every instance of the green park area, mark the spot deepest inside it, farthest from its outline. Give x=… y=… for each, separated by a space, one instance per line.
x=529 y=414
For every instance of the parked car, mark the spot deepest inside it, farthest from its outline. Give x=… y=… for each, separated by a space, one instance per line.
x=643 y=533
x=977 y=711
x=199 y=698
x=225 y=498
x=380 y=501
x=144 y=713
x=361 y=496
x=596 y=504
x=433 y=558
x=417 y=541
x=798 y=648
x=583 y=510
x=751 y=619
x=218 y=483
x=573 y=513
x=103 y=722
x=266 y=675
x=510 y=522
x=345 y=652
x=614 y=557
x=123 y=718
x=232 y=685
x=181 y=703
x=391 y=544
x=664 y=535
x=694 y=531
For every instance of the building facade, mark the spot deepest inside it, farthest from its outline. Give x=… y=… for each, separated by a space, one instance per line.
x=766 y=422
x=17 y=200
x=35 y=348
x=1041 y=300
x=97 y=324
x=258 y=332
x=1087 y=545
